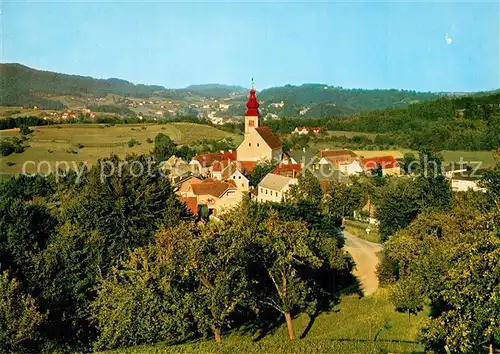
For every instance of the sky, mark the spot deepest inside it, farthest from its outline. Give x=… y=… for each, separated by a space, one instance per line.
x=422 y=45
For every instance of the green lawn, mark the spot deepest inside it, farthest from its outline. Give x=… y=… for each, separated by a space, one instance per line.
x=358 y=228
x=344 y=330
x=55 y=143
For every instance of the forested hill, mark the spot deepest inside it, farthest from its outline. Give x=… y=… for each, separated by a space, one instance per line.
x=21 y=85
x=452 y=123
x=216 y=90
x=307 y=95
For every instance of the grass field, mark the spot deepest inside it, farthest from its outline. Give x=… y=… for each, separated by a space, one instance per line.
x=351 y=134
x=344 y=330
x=56 y=143
x=358 y=228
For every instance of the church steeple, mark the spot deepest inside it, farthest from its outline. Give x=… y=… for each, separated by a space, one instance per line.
x=252 y=113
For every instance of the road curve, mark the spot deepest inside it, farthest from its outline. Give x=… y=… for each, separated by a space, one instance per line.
x=364 y=254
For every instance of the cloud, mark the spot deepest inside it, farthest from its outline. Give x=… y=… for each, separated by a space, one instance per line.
x=448 y=39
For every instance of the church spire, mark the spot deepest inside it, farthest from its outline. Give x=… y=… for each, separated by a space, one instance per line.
x=252 y=104
x=252 y=113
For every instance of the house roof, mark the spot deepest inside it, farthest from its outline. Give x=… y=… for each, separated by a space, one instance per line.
x=383 y=161
x=211 y=187
x=206 y=160
x=327 y=172
x=271 y=140
x=337 y=153
x=246 y=166
x=274 y=182
x=301 y=156
x=191 y=204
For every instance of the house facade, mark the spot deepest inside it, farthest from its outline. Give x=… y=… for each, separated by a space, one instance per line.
x=273 y=188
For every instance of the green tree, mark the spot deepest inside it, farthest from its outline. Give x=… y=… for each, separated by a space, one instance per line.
x=285 y=248
x=260 y=171
x=19 y=316
x=407 y=296
x=164 y=147
x=218 y=259
x=470 y=316
x=25 y=129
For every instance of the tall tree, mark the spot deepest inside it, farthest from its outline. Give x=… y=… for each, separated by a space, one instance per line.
x=286 y=248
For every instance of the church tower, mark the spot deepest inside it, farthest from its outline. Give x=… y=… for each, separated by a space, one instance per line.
x=252 y=113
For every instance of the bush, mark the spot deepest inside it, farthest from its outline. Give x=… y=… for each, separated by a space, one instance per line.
x=80 y=146
x=19 y=149
x=25 y=130
x=149 y=140
x=10 y=163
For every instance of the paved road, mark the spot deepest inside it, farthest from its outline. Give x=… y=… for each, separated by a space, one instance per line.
x=364 y=254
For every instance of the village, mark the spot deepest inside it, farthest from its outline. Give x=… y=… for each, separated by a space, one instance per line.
x=213 y=183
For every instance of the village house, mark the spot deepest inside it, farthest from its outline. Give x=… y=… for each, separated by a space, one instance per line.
x=232 y=171
x=464 y=181
x=203 y=163
x=260 y=144
x=344 y=160
x=273 y=188
x=218 y=196
x=389 y=165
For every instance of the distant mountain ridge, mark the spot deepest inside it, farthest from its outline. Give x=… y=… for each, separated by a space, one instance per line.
x=24 y=86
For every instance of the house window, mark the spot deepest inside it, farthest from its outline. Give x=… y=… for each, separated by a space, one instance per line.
x=266 y=191
x=234 y=177
x=262 y=190
x=239 y=177
x=276 y=193
x=257 y=144
x=249 y=144
x=243 y=185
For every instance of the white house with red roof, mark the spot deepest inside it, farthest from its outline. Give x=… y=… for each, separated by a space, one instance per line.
x=260 y=144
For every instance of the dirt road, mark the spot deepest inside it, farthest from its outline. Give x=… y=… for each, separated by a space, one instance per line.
x=364 y=254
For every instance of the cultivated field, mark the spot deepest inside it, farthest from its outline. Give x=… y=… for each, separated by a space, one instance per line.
x=346 y=329
x=60 y=143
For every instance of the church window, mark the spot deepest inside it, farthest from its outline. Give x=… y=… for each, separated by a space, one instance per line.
x=249 y=144
x=251 y=123
x=257 y=144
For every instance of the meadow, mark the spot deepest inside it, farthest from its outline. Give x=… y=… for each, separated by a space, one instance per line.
x=89 y=142
x=345 y=329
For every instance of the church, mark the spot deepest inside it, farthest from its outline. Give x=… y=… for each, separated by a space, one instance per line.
x=260 y=144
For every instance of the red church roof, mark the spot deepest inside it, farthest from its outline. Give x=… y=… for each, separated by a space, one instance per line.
x=252 y=105
x=271 y=140
x=384 y=161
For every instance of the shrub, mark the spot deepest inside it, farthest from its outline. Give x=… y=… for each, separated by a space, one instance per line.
x=10 y=163
x=80 y=146
x=143 y=127
x=19 y=149
x=149 y=140
x=132 y=143
x=25 y=130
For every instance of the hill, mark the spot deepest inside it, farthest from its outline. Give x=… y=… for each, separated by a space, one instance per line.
x=24 y=86
x=216 y=90
x=21 y=85
x=320 y=100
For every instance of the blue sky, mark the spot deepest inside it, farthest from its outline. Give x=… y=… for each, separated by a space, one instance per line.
x=349 y=44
